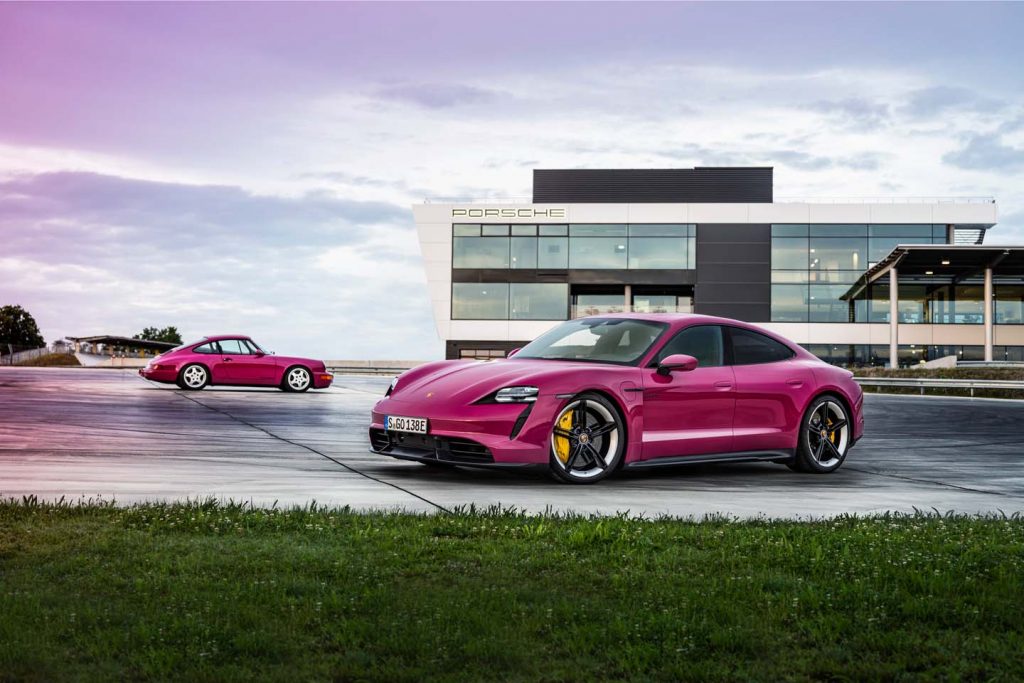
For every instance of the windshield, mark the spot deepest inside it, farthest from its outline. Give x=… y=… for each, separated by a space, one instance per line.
x=600 y=340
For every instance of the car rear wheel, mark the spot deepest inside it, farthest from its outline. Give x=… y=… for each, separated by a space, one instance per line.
x=825 y=436
x=587 y=441
x=297 y=379
x=193 y=377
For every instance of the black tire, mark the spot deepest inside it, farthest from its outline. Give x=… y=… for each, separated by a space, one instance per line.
x=826 y=434
x=290 y=380
x=193 y=377
x=593 y=438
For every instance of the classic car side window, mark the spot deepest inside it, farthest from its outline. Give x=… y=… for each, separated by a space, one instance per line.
x=209 y=347
x=234 y=347
x=703 y=342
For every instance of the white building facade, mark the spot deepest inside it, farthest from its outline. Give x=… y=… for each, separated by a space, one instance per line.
x=500 y=274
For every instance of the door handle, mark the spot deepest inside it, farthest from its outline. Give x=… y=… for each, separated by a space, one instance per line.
x=227 y=360
x=723 y=385
x=795 y=382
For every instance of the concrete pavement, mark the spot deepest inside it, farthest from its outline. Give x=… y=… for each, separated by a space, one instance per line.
x=109 y=434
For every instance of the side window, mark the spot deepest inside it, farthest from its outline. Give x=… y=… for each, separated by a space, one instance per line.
x=233 y=347
x=749 y=348
x=209 y=347
x=703 y=342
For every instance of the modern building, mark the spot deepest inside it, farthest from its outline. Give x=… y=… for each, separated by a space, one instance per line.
x=715 y=241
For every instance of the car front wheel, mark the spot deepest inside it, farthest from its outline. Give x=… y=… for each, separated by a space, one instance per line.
x=297 y=379
x=588 y=440
x=825 y=436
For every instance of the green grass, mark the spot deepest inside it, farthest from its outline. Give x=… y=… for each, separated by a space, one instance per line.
x=51 y=360
x=213 y=592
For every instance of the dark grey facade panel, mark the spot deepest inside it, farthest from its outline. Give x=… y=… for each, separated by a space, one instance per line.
x=734 y=271
x=668 y=185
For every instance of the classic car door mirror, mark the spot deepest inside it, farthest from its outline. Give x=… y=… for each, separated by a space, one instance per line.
x=677 y=362
x=512 y=353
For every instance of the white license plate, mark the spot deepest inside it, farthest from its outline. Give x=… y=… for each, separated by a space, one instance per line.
x=416 y=425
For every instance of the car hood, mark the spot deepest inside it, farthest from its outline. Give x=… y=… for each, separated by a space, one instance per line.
x=472 y=381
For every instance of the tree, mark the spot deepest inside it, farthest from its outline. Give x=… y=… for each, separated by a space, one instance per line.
x=18 y=328
x=168 y=334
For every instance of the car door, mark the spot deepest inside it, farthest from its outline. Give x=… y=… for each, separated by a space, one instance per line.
x=243 y=365
x=690 y=413
x=771 y=386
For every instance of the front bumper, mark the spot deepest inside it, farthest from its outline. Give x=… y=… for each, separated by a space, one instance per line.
x=496 y=434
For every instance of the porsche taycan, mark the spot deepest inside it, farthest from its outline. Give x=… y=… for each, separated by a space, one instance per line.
x=599 y=394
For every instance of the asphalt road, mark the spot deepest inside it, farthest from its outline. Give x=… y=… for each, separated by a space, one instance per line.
x=108 y=434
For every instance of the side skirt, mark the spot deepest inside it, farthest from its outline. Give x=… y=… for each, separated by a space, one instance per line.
x=746 y=456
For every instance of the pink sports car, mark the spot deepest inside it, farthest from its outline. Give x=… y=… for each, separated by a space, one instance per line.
x=236 y=360
x=598 y=394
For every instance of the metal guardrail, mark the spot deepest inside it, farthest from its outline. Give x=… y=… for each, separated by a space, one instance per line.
x=926 y=383
x=365 y=370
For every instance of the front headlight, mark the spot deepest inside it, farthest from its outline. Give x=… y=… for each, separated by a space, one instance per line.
x=391 y=389
x=516 y=395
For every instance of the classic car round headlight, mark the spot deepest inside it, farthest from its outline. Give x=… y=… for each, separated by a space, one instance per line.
x=516 y=395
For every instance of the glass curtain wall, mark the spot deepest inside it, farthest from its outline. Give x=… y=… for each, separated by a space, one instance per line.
x=582 y=246
x=814 y=264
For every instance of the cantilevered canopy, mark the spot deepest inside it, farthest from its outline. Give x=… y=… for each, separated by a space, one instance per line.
x=109 y=340
x=953 y=262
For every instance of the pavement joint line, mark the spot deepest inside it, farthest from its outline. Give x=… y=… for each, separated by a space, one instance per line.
x=932 y=482
x=313 y=450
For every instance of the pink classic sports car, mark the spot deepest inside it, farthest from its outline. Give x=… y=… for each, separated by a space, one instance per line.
x=237 y=360
x=627 y=391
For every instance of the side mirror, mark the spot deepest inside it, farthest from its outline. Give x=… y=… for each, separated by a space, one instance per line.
x=512 y=353
x=677 y=362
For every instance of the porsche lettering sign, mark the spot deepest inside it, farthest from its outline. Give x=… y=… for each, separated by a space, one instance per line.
x=509 y=212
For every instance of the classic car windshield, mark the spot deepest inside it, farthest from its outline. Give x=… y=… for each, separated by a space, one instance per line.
x=601 y=340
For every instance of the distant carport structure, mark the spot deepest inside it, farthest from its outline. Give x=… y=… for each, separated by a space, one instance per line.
x=947 y=285
x=110 y=345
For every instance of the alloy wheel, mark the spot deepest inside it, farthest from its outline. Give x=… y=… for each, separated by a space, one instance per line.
x=298 y=379
x=585 y=440
x=194 y=377
x=828 y=434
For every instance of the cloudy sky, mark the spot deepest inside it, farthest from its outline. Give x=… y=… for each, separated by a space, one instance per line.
x=250 y=167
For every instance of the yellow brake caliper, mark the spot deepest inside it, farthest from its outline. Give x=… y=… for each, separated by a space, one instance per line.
x=562 y=443
x=831 y=433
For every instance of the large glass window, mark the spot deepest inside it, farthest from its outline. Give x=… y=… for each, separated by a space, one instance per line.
x=590 y=246
x=658 y=252
x=553 y=252
x=830 y=258
x=524 y=252
x=598 y=253
x=598 y=303
x=1009 y=304
x=789 y=303
x=838 y=253
x=825 y=306
x=234 y=347
x=789 y=253
x=539 y=301
x=479 y=301
x=703 y=342
x=480 y=252
x=662 y=300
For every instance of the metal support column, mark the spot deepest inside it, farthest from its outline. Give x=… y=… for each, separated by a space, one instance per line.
x=629 y=299
x=988 y=314
x=894 y=302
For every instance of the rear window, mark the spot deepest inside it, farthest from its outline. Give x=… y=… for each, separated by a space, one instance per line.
x=751 y=348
